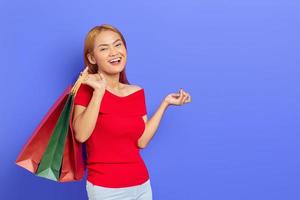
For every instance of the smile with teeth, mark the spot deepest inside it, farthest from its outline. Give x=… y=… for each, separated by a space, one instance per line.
x=115 y=60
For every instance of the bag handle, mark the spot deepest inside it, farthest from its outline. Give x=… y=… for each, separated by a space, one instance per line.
x=78 y=82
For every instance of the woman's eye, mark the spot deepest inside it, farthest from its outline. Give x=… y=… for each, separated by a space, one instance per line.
x=103 y=49
x=118 y=44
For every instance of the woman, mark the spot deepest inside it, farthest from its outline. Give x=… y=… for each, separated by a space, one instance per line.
x=110 y=116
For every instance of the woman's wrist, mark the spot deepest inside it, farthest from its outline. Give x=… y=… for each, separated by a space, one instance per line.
x=165 y=104
x=98 y=92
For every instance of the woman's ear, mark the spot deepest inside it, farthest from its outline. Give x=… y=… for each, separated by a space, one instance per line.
x=91 y=58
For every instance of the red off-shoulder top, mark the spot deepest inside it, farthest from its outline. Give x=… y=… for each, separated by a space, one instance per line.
x=113 y=156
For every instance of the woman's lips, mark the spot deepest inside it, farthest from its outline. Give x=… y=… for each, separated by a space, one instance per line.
x=115 y=61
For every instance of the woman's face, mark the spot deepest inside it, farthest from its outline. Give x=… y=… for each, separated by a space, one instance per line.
x=109 y=52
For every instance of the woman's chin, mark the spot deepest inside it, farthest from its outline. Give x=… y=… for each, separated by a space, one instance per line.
x=116 y=70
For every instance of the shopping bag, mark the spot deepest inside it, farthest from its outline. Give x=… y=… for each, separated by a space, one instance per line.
x=74 y=163
x=72 y=167
x=31 y=154
x=52 y=151
x=51 y=162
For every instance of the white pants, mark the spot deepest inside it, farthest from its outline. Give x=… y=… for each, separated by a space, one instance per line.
x=138 y=192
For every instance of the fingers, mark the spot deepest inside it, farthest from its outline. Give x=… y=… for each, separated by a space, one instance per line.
x=175 y=95
x=86 y=78
x=101 y=76
x=182 y=96
x=185 y=97
x=189 y=99
x=98 y=77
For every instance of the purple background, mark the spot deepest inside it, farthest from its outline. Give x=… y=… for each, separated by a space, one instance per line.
x=238 y=139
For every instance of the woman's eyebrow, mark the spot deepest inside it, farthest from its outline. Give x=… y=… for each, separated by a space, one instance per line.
x=107 y=44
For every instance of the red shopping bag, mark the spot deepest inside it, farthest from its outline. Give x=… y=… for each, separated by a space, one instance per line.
x=32 y=152
x=72 y=164
x=72 y=167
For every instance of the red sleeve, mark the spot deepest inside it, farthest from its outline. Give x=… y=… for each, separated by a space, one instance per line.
x=83 y=95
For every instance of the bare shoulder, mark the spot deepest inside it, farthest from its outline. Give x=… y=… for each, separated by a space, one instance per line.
x=132 y=88
x=136 y=87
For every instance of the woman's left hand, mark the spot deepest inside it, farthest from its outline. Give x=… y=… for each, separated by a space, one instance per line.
x=178 y=99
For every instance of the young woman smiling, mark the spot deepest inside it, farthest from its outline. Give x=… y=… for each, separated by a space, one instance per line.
x=110 y=116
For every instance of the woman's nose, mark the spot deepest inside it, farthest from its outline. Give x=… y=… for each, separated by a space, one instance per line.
x=113 y=52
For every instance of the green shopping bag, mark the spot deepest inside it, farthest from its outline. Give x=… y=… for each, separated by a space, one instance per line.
x=51 y=162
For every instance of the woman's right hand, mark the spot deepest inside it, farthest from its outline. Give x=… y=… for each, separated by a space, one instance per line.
x=96 y=81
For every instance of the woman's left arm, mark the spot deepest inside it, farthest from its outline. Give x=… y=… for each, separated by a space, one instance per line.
x=152 y=124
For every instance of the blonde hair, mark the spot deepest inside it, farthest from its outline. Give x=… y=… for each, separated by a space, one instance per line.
x=89 y=46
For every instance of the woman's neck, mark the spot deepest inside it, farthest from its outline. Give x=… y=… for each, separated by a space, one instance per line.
x=113 y=82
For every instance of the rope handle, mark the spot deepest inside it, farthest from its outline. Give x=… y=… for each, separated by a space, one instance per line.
x=78 y=82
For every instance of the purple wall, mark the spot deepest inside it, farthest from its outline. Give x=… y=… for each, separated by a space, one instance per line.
x=238 y=139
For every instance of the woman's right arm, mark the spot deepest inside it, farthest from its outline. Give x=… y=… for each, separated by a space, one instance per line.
x=85 y=118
